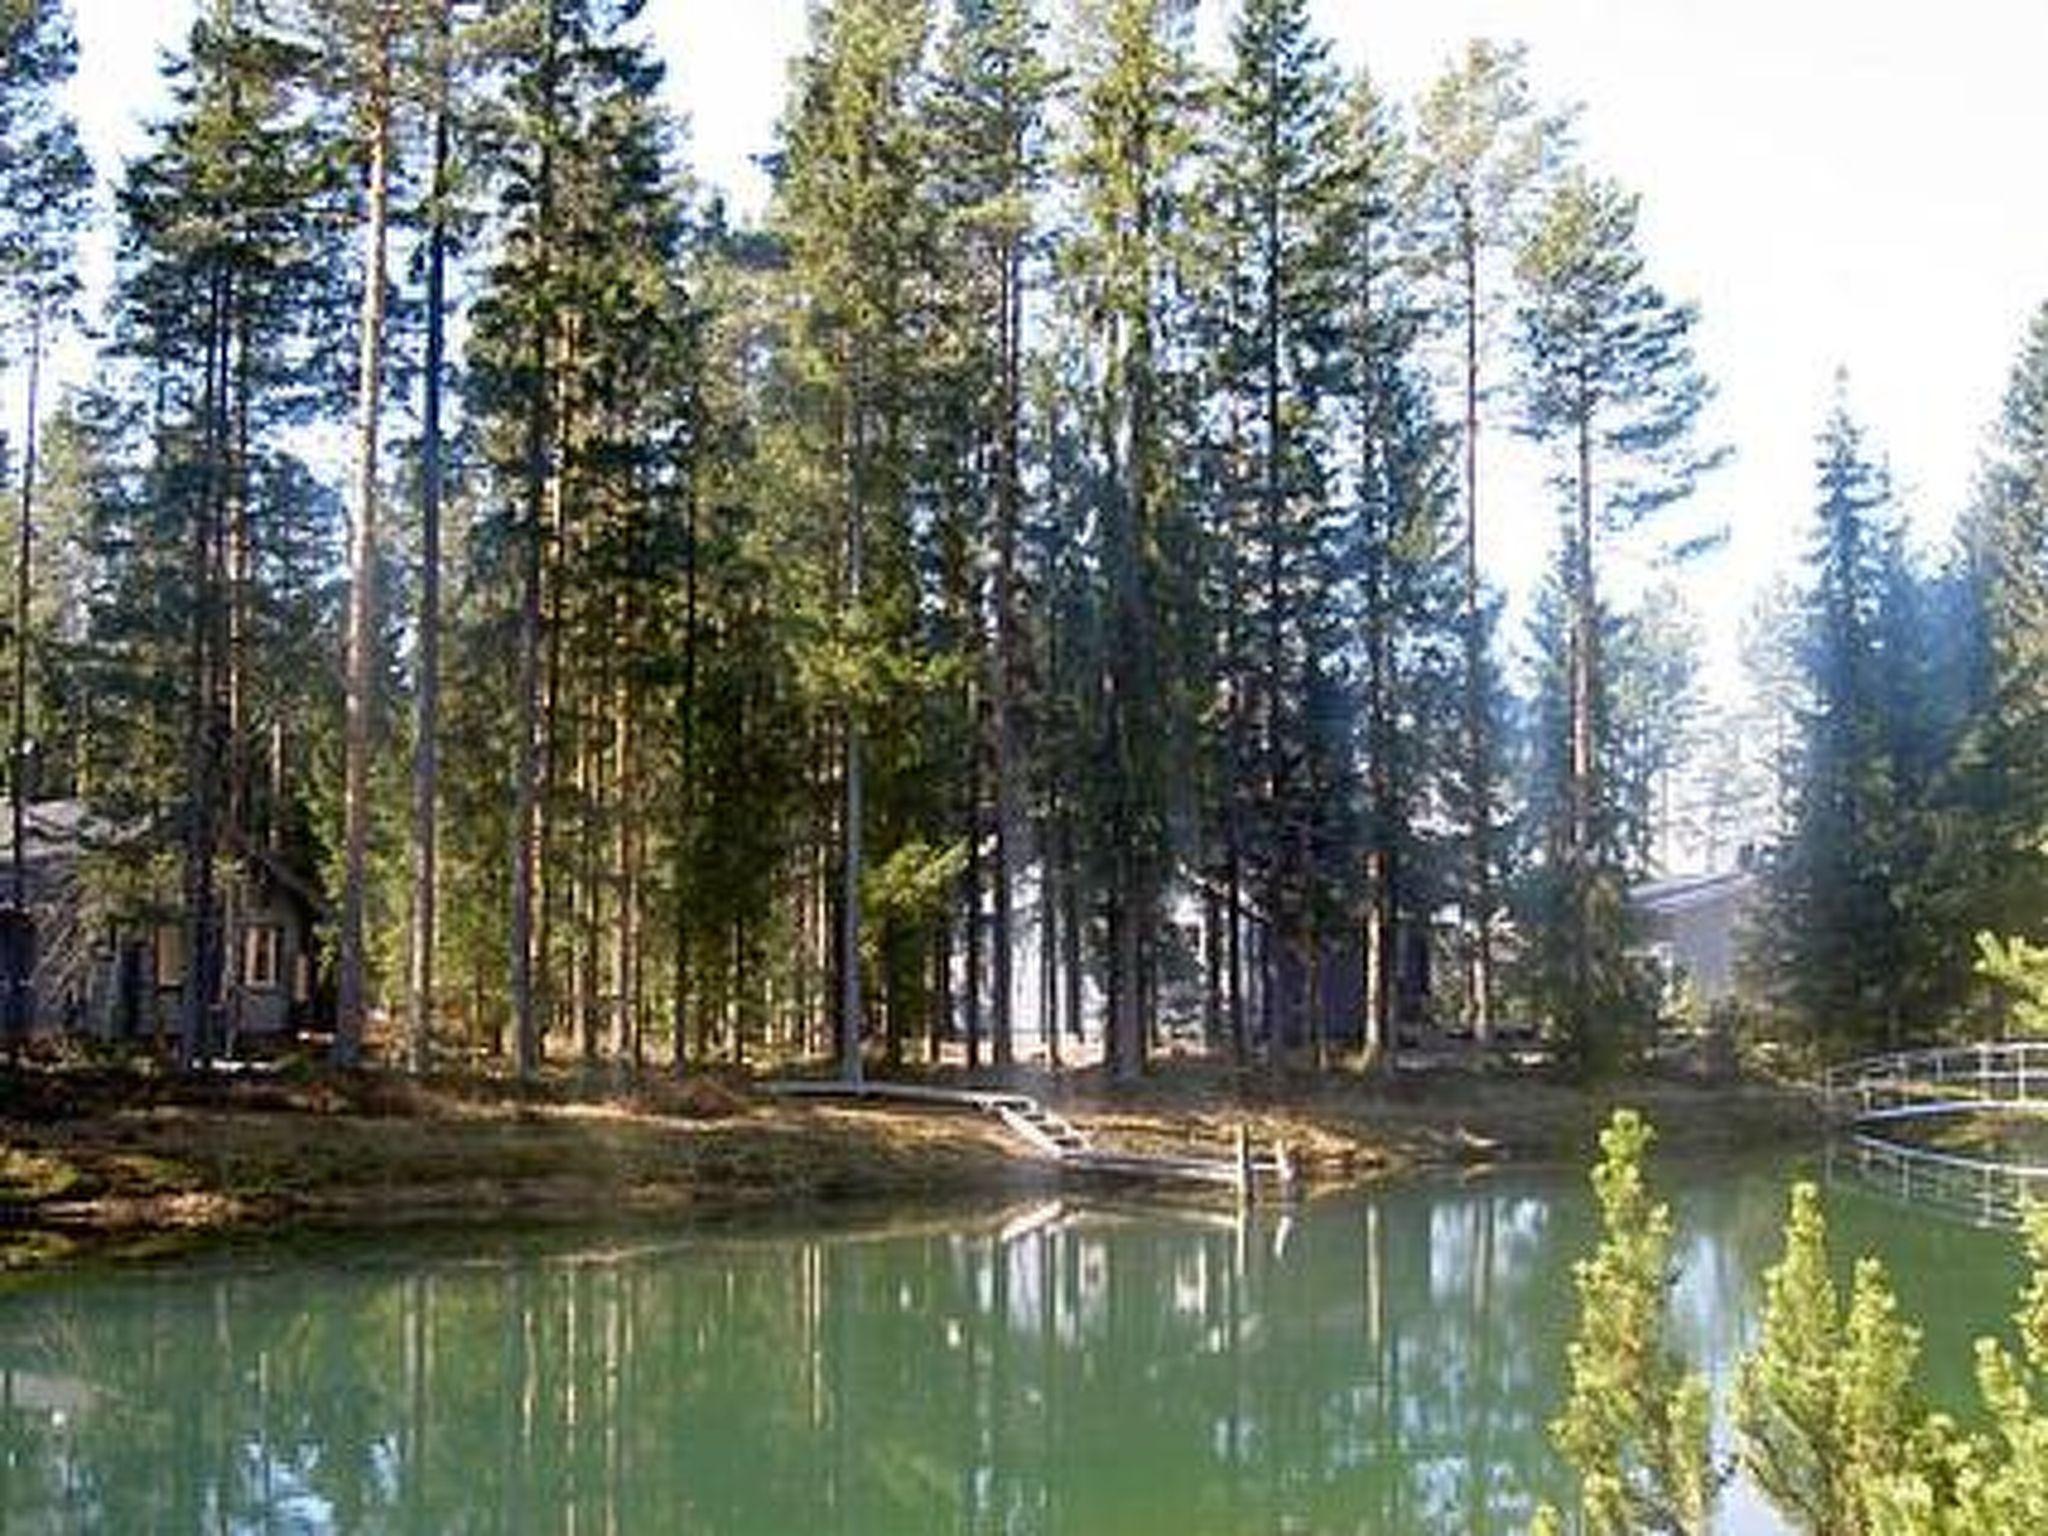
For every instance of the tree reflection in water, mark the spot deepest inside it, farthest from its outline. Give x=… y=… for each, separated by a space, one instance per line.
x=1380 y=1364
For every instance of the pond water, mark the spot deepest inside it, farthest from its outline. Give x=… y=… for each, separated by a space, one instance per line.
x=1382 y=1363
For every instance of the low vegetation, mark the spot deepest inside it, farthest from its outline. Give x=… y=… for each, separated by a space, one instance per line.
x=1828 y=1422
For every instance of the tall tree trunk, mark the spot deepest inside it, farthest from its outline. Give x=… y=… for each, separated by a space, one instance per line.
x=201 y=831
x=351 y=988
x=1234 y=998
x=686 y=775
x=1212 y=968
x=585 y=896
x=1479 y=916
x=24 y=552
x=1585 y=620
x=17 y=1008
x=526 y=824
x=426 y=763
x=1070 y=933
x=1048 y=952
x=970 y=899
x=852 y=807
x=626 y=926
x=1273 y=503
x=236 y=561
x=1003 y=685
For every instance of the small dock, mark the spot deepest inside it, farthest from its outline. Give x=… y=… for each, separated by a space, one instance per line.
x=1050 y=1136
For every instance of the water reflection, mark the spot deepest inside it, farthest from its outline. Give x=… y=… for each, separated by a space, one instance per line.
x=1379 y=1365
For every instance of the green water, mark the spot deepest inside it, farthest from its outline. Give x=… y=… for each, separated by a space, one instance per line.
x=1377 y=1364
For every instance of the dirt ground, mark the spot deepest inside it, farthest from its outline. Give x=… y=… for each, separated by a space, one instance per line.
x=127 y=1162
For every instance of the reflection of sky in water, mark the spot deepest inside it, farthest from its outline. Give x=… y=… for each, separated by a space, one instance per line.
x=1386 y=1363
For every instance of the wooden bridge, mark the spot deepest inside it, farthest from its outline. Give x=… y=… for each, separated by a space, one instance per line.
x=1877 y=1095
x=1049 y=1135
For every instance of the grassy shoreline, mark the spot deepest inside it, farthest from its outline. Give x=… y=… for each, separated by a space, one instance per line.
x=119 y=1164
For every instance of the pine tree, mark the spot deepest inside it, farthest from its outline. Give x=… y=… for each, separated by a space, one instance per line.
x=422 y=1001
x=45 y=180
x=1609 y=379
x=372 y=57
x=1579 y=970
x=1484 y=152
x=226 y=307
x=1825 y=1403
x=1634 y=1426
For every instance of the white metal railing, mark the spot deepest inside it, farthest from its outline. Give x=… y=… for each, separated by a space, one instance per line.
x=1940 y=1080
x=1986 y=1191
x=1943 y=1080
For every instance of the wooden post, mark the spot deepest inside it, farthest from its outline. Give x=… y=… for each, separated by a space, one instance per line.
x=1283 y=1166
x=1244 y=1165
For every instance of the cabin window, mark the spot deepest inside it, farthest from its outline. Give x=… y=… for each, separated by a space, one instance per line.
x=261 y=947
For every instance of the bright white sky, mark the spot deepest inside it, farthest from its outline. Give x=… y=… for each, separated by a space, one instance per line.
x=1848 y=183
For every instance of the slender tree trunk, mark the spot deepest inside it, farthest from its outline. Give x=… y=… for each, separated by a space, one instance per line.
x=1318 y=1025
x=17 y=1008
x=527 y=757
x=853 y=809
x=1233 y=939
x=197 y=995
x=554 y=875
x=24 y=552
x=970 y=901
x=1479 y=918
x=1273 y=505
x=236 y=560
x=426 y=763
x=1212 y=968
x=686 y=787
x=1070 y=930
x=626 y=926
x=351 y=989
x=1585 y=632
x=588 y=791
x=1008 y=499
x=1048 y=950
x=1382 y=908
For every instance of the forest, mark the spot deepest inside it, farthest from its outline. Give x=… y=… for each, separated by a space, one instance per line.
x=1032 y=588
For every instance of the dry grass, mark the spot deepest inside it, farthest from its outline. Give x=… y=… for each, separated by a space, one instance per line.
x=92 y=1158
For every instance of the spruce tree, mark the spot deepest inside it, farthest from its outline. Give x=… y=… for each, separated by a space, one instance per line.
x=1403 y=544
x=1275 y=173
x=989 y=159
x=579 y=360
x=850 y=214
x=1994 y=793
x=1132 y=135
x=1839 y=919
